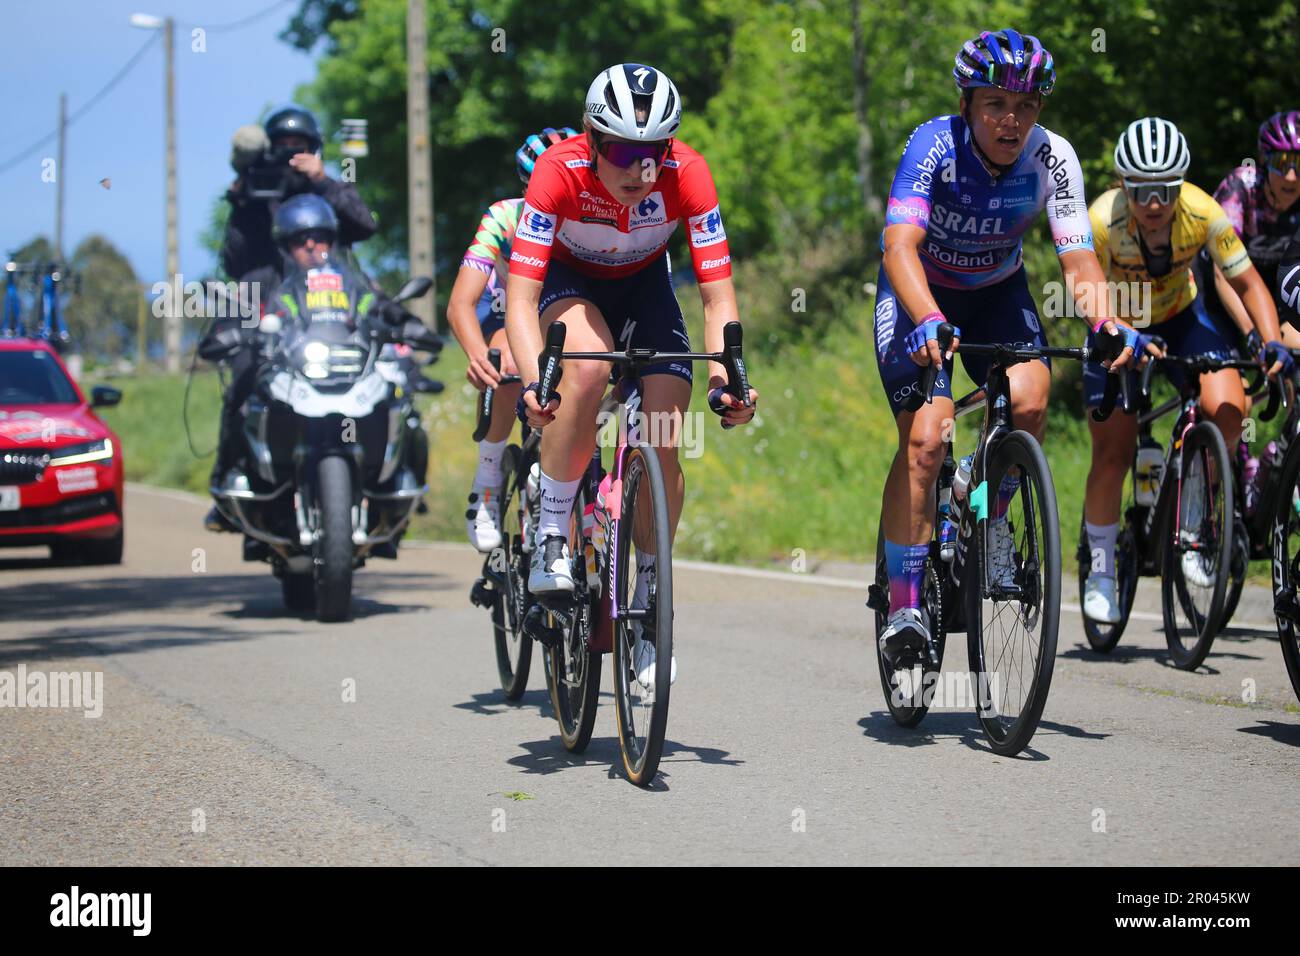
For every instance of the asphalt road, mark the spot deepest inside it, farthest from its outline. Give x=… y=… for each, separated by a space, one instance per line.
x=226 y=737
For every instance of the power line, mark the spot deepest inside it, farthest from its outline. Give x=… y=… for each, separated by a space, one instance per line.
x=104 y=91
x=237 y=24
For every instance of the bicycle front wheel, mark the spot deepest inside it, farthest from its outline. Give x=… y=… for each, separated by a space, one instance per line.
x=509 y=566
x=1198 y=547
x=1013 y=594
x=1286 y=564
x=643 y=532
x=572 y=669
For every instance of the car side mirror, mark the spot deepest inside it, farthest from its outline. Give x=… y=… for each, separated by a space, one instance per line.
x=104 y=396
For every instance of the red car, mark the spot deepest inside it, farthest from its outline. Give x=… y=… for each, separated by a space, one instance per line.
x=60 y=466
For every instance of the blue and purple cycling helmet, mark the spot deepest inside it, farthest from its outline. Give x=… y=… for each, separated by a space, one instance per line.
x=1280 y=133
x=1005 y=59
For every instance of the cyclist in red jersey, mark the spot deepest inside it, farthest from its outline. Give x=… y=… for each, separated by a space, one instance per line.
x=591 y=250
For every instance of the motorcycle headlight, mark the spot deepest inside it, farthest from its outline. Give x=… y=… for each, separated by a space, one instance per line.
x=316 y=353
x=101 y=451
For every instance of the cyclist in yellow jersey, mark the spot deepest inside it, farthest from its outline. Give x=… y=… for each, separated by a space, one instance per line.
x=1149 y=232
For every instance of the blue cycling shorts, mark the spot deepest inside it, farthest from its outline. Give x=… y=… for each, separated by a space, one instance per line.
x=1000 y=313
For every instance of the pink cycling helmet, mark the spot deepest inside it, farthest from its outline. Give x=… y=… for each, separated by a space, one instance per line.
x=1280 y=132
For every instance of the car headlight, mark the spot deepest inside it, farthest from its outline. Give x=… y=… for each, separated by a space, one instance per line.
x=79 y=454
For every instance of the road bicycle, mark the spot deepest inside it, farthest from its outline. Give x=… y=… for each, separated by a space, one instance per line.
x=618 y=514
x=1010 y=613
x=1186 y=534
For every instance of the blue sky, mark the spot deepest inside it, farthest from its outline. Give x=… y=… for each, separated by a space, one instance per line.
x=76 y=46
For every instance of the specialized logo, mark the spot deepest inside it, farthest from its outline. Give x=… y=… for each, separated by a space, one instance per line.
x=595 y=108
x=651 y=211
x=642 y=75
x=534 y=226
x=706 y=230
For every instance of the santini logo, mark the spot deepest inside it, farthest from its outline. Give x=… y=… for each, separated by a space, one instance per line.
x=103 y=909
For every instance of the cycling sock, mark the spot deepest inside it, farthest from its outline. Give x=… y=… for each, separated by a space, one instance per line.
x=490 y=454
x=1101 y=548
x=1006 y=491
x=906 y=566
x=557 y=501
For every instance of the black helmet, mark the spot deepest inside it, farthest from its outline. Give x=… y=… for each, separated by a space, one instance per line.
x=303 y=213
x=293 y=121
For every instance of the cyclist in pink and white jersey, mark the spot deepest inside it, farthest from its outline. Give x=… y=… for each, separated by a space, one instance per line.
x=591 y=250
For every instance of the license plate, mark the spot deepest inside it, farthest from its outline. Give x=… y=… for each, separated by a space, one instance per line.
x=9 y=498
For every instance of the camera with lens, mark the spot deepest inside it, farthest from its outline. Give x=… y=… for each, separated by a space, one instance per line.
x=270 y=176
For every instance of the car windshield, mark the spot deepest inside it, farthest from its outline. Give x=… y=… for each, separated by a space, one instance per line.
x=34 y=378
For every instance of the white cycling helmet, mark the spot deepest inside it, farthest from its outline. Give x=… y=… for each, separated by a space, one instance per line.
x=634 y=102
x=1152 y=147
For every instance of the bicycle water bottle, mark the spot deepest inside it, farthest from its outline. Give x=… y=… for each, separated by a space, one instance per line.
x=960 y=485
x=1268 y=463
x=1250 y=481
x=947 y=528
x=1148 y=469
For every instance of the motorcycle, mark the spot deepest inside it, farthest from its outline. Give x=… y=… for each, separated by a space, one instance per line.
x=330 y=476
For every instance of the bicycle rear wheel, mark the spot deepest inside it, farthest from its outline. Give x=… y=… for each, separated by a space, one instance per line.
x=509 y=567
x=1103 y=637
x=906 y=686
x=1286 y=564
x=1013 y=600
x=572 y=669
x=1198 y=544
x=643 y=711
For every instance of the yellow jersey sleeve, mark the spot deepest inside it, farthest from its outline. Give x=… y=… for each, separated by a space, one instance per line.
x=1224 y=244
x=1099 y=214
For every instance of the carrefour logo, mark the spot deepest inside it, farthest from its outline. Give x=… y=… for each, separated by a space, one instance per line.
x=650 y=211
x=706 y=230
x=535 y=226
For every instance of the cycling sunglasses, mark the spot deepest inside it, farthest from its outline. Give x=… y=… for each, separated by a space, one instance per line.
x=1284 y=161
x=318 y=236
x=1143 y=192
x=624 y=155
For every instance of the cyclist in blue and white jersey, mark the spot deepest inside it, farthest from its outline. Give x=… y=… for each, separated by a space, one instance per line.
x=967 y=189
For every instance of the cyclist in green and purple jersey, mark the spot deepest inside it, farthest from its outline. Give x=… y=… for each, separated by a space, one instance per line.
x=476 y=312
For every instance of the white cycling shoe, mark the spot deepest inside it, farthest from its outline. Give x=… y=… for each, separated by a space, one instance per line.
x=1001 y=554
x=1197 y=569
x=1101 y=600
x=482 y=521
x=644 y=660
x=551 y=570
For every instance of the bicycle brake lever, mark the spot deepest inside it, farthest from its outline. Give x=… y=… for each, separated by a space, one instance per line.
x=485 y=402
x=930 y=374
x=550 y=363
x=734 y=362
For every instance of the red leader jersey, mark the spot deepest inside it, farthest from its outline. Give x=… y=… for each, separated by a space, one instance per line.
x=569 y=215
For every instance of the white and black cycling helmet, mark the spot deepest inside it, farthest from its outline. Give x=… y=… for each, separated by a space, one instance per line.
x=1152 y=148
x=634 y=102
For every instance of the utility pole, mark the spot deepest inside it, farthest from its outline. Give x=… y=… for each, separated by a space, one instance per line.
x=173 y=254
x=59 y=175
x=141 y=329
x=419 y=159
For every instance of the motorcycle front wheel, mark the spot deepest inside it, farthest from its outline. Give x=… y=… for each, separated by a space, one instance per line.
x=334 y=546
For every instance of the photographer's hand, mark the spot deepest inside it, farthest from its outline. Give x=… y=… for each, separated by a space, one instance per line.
x=310 y=165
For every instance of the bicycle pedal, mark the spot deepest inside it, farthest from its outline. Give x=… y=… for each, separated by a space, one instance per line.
x=480 y=595
x=877 y=600
x=537 y=627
